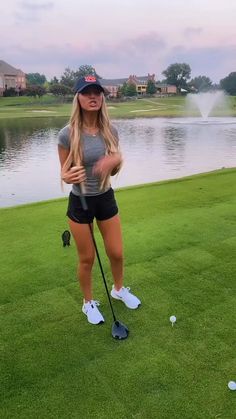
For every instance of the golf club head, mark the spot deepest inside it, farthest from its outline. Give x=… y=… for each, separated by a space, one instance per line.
x=119 y=330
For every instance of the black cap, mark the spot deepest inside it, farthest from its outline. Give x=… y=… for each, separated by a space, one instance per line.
x=86 y=81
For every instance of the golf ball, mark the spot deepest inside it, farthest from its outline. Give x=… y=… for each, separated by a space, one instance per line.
x=172 y=319
x=232 y=385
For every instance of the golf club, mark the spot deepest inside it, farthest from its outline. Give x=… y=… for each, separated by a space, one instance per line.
x=119 y=330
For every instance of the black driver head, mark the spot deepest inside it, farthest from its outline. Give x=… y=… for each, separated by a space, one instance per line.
x=65 y=238
x=119 y=330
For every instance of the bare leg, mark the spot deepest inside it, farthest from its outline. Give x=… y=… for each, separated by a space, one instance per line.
x=112 y=237
x=86 y=253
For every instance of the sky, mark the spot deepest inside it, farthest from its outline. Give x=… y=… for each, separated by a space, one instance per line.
x=119 y=37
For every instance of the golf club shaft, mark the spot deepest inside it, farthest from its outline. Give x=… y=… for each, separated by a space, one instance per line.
x=101 y=269
x=85 y=208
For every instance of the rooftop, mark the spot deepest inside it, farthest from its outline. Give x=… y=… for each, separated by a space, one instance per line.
x=6 y=68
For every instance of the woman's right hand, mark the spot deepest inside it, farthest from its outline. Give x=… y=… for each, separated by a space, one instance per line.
x=76 y=174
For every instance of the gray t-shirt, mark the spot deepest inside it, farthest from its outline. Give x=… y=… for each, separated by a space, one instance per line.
x=93 y=148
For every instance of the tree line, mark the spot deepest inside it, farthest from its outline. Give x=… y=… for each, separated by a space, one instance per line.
x=177 y=74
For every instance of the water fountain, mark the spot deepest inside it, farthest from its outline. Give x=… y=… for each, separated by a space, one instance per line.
x=205 y=103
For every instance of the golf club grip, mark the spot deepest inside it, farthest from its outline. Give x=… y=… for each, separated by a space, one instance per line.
x=83 y=202
x=82 y=197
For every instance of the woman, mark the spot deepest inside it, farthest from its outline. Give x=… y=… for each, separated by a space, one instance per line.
x=89 y=154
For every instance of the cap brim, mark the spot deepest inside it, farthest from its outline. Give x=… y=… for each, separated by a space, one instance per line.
x=90 y=84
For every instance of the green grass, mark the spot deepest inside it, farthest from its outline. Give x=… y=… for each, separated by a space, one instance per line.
x=28 y=107
x=180 y=246
x=27 y=100
x=48 y=106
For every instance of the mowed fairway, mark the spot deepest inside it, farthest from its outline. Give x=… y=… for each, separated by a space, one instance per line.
x=50 y=107
x=180 y=247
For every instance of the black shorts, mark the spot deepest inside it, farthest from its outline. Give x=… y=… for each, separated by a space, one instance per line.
x=102 y=207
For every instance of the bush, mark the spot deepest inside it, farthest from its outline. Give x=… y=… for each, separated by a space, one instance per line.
x=60 y=89
x=34 y=91
x=10 y=92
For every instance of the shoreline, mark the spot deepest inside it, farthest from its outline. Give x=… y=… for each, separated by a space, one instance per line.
x=216 y=172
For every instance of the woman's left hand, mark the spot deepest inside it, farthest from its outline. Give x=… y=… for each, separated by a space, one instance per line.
x=106 y=165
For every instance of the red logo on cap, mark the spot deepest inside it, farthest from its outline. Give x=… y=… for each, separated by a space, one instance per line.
x=90 y=79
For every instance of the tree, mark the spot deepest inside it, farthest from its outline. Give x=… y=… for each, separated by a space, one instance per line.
x=86 y=70
x=35 y=79
x=68 y=78
x=54 y=80
x=229 y=83
x=178 y=74
x=201 y=83
x=123 y=89
x=60 y=89
x=34 y=91
x=130 y=90
x=151 y=87
x=119 y=92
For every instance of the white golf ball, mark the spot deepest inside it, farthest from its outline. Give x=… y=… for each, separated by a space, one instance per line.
x=232 y=385
x=172 y=319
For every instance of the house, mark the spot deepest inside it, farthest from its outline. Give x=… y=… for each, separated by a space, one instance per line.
x=11 y=77
x=112 y=85
x=166 y=89
x=140 y=82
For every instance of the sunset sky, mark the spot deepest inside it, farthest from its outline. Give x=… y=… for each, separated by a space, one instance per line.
x=119 y=37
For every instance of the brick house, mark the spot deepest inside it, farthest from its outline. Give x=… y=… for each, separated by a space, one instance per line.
x=166 y=89
x=112 y=85
x=140 y=82
x=11 y=77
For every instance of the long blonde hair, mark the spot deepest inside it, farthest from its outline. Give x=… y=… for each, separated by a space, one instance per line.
x=75 y=156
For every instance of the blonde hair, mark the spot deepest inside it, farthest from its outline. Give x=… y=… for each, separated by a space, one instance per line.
x=75 y=156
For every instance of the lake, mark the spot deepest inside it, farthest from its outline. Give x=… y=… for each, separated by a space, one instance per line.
x=154 y=149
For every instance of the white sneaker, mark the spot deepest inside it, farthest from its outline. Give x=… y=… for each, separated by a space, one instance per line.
x=125 y=295
x=93 y=314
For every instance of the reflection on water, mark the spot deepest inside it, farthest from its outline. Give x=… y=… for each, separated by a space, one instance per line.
x=17 y=137
x=174 y=145
x=153 y=149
